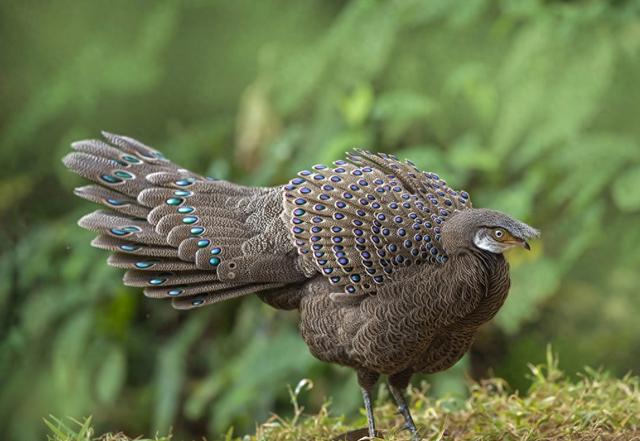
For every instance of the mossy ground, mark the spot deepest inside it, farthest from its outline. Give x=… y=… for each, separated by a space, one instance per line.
x=595 y=407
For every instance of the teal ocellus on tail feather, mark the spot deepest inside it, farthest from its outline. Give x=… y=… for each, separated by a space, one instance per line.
x=391 y=269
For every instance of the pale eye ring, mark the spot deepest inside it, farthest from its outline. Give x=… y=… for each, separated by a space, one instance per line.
x=498 y=233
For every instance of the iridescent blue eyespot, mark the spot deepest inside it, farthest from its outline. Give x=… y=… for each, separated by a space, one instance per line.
x=319 y=207
x=145 y=264
x=464 y=195
x=214 y=261
x=123 y=174
x=182 y=193
x=297 y=230
x=197 y=302
x=296 y=221
x=189 y=220
x=299 y=212
x=174 y=201
x=129 y=247
x=185 y=182
x=297 y=181
x=338 y=216
x=350 y=289
x=185 y=210
x=119 y=232
x=336 y=179
x=336 y=229
x=203 y=243
x=305 y=190
x=343 y=261
x=131 y=159
x=157 y=282
x=316 y=229
x=197 y=231
x=327 y=270
x=215 y=251
x=115 y=202
x=110 y=179
x=300 y=201
x=175 y=292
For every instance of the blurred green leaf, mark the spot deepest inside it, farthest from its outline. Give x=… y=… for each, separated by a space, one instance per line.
x=626 y=188
x=111 y=375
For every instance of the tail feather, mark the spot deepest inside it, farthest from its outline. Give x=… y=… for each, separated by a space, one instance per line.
x=179 y=235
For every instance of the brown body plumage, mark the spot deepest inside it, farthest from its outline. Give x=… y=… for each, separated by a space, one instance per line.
x=391 y=269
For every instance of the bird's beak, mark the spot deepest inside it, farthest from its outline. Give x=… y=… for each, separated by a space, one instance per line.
x=519 y=243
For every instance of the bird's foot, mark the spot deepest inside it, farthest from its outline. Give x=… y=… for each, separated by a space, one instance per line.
x=408 y=425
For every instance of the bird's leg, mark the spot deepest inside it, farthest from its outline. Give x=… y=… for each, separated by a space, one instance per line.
x=367 y=380
x=397 y=383
x=366 y=396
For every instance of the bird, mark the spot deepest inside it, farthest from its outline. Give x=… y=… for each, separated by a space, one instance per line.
x=392 y=271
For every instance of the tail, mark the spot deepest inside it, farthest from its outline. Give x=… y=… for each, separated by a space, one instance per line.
x=179 y=235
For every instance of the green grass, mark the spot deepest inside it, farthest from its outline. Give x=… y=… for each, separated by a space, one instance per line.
x=594 y=407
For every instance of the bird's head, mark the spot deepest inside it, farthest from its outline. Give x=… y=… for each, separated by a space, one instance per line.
x=486 y=230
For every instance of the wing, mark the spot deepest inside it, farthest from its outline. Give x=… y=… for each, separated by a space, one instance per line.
x=180 y=235
x=361 y=220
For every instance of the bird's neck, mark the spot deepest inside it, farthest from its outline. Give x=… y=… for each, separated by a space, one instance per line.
x=494 y=271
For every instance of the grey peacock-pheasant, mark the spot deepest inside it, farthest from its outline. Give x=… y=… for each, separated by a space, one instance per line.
x=392 y=270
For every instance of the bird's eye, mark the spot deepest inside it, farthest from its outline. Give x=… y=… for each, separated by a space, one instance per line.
x=498 y=233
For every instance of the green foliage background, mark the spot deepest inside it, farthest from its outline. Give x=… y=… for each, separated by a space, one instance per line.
x=532 y=106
